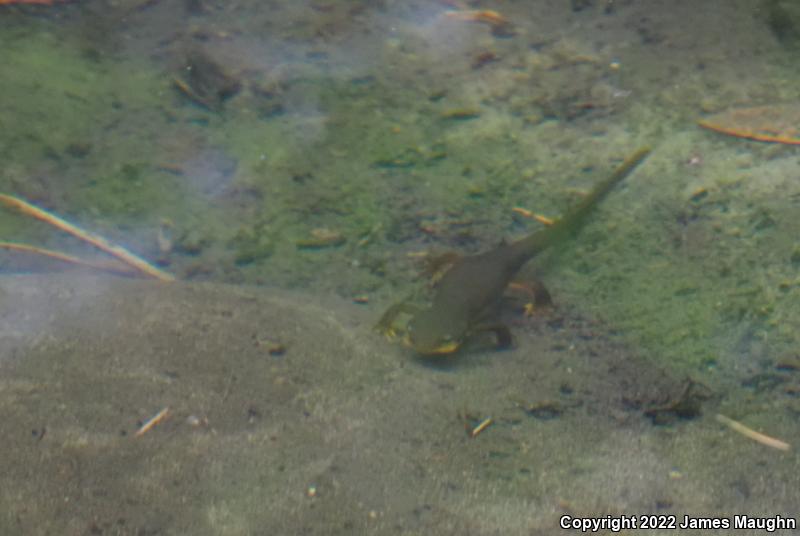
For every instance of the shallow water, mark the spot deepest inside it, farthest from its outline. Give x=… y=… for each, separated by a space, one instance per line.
x=303 y=156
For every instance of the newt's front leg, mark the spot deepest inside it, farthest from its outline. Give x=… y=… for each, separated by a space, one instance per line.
x=386 y=324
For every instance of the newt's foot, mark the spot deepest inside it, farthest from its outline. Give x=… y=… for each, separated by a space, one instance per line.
x=386 y=325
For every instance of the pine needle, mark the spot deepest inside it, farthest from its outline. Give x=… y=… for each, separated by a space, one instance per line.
x=752 y=434
x=97 y=241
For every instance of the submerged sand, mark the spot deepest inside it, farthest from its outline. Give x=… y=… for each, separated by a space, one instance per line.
x=287 y=415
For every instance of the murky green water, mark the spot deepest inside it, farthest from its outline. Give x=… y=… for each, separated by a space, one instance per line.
x=324 y=148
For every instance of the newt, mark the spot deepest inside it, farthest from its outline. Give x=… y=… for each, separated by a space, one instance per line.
x=465 y=295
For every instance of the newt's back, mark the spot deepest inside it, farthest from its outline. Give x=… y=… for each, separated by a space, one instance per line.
x=473 y=284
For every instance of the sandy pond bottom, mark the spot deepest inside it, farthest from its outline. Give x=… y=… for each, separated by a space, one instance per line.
x=289 y=416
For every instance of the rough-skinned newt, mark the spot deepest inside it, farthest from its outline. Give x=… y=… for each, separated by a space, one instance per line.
x=467 y=292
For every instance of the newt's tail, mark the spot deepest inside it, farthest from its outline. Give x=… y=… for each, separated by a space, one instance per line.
x=572 y=220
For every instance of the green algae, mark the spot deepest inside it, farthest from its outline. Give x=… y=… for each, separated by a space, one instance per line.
x=90 y=137
x=59 y=107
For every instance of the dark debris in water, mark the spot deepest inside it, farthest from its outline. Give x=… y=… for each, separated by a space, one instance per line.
x=686 y=405
x=205 y=82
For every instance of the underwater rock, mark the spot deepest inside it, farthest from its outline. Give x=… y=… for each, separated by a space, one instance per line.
x=205 y=82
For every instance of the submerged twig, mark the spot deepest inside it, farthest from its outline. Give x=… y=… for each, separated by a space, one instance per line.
x=483 y=425
x=152 y=421
x=528 y=214
x=97 y=241
x=752 y=434
x=64 y=257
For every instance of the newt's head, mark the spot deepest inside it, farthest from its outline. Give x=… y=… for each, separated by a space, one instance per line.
x=431 y=333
